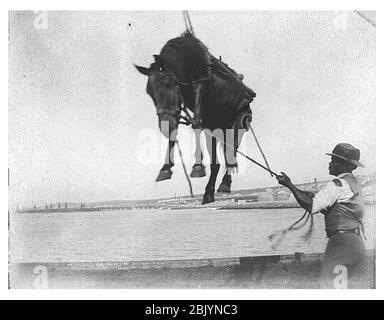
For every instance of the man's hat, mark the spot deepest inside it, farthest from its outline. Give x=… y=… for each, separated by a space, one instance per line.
x=348 y=153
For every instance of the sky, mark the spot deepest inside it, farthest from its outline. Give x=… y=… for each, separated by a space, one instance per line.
x=82 y=128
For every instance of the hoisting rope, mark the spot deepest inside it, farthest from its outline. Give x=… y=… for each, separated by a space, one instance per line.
x=188 y=23
x=207 y=55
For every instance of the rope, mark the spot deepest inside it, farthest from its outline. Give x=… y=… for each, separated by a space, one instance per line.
x=250 y=159
x=261 y=151
x=185 y=170
x=277 y=237
x=188 y=23
x=364 y=17
x=207 y=55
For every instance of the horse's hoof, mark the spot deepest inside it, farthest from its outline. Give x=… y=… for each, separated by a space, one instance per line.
x=208 y=198
x=164 y=175
x=198 y=171
x=225 y=188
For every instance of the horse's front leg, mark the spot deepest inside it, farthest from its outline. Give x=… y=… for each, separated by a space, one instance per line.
x=199 y=90
x=166 y=172
x=198 y=170
x=209 y=195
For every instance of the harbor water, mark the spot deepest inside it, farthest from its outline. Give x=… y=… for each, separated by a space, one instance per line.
x=142 y=235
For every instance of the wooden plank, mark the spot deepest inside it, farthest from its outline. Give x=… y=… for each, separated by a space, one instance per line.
x=189 y=263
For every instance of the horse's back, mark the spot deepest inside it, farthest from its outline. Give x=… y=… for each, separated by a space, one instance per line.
x=185 y=57
x=231 y=80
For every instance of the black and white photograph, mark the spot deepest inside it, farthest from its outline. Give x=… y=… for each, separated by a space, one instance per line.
x=192 y=149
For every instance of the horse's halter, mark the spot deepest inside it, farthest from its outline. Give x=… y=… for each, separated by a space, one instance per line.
x=177 y=106
x=180 y=105
x=175 y=109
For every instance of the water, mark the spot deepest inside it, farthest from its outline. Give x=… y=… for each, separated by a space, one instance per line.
x=161 y=234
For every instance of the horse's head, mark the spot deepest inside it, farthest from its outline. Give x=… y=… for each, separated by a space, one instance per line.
x=163 y=88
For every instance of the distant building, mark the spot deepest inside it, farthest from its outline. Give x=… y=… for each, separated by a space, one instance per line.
x=283 y=195
x=265 y=196
x=166 y=201
x=246 y=199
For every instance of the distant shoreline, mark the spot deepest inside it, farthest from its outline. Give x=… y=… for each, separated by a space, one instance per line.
x=259 y=198
x=216 y=206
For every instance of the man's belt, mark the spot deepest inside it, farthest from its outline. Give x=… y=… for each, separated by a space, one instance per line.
x=356 y=230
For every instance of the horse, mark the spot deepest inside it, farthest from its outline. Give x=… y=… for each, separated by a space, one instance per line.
x=185 y=76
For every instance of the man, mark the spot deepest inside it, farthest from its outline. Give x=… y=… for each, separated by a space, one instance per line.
x=342 y=204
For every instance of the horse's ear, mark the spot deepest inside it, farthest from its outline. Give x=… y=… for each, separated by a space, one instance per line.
x=143 y=70
x=159 y=60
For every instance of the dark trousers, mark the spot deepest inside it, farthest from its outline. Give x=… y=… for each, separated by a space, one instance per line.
x=344 y=254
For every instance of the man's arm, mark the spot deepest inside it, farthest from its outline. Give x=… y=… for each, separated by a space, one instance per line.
x=304 y=198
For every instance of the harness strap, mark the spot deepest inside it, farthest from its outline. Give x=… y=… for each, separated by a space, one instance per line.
x=172 y=112
x=193 y=82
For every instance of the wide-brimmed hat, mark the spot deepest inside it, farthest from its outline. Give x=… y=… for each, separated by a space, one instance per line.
x=348 y=153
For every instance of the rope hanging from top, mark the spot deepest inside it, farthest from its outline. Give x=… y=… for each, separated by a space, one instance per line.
x=208 y=57
x=188 y=23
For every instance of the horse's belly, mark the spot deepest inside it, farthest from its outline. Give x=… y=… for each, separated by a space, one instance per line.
x=223 y=103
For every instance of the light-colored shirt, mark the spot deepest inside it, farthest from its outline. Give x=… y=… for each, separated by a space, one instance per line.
x=332 y=193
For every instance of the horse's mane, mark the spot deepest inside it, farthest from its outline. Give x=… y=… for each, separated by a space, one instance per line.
x=187 y=57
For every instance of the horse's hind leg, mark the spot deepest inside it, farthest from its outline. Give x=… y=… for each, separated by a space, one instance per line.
x=229 y=147
x=198 y=170
x=225 y=185
x=209 y=195
x=232 y=141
